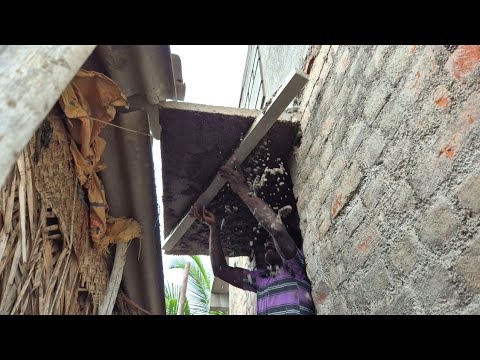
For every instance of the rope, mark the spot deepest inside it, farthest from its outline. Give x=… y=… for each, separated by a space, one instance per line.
x=121 y=127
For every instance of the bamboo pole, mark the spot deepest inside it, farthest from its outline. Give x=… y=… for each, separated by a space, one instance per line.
x=183 y=292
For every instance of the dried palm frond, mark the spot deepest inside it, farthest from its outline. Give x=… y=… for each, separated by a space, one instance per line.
x=126 y=306
x=47 y=264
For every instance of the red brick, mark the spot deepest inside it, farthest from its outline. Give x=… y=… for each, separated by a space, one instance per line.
x=464 y=60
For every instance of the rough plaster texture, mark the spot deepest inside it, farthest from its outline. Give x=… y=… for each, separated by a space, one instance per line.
x=387 y=179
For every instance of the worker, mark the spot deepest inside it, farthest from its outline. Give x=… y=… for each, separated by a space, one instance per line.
x=283 y=288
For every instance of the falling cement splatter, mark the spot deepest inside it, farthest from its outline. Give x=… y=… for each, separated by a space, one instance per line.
x=284 y=211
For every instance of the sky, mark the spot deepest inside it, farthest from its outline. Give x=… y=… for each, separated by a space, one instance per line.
x=213 y=75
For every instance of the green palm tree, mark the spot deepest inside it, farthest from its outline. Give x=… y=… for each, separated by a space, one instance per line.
x=199 y=284
x=172 y=299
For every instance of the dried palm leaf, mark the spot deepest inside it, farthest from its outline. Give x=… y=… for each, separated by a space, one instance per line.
x=22 y=200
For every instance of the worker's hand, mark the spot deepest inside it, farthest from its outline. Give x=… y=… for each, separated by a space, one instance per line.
x=235 y=178
x=203 y=215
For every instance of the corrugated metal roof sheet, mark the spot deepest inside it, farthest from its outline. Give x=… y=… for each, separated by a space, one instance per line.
x=147 y=74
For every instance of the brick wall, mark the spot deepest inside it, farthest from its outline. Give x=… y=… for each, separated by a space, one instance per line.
x=387 y=179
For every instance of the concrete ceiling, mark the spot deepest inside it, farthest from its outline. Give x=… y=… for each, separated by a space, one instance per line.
x=195 y=143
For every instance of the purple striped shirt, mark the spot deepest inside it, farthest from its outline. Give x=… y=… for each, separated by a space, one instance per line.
x=288 y=292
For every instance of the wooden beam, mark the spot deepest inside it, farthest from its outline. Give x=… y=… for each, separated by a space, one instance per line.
x=284 y=96
x=108 y=302
x=32 y=78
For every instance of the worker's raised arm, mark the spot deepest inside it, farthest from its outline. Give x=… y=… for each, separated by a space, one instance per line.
x=268 y=218
x=232 y=275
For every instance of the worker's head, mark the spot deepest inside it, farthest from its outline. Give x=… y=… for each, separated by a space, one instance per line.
x=271 y=255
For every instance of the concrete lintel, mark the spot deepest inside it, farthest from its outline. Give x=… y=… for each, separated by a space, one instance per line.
x=186 y=106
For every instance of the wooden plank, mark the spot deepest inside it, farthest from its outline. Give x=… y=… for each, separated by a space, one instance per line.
x=284 y=96
x=32 y=78
x=106 y=307
x=202 y=108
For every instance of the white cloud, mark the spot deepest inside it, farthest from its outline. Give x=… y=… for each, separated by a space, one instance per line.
x=213 y=73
